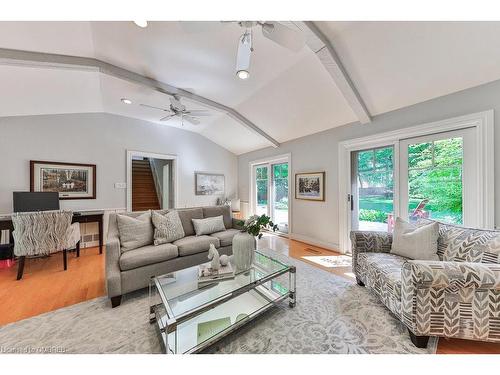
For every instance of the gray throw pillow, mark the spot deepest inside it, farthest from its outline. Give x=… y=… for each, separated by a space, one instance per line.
x=419 y=243
x=168 y=227
x=209 y=225
x=135 y=232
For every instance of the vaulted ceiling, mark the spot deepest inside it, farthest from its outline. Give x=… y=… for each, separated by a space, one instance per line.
x=289 y=94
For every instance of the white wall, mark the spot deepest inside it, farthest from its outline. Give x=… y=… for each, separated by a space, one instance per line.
x=102 y=139
x=318 y=221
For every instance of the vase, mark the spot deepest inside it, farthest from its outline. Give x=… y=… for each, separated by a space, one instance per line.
x=243 y=250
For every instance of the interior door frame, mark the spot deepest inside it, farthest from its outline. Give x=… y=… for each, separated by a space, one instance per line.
x=483 y=124
x=144 y=154
x=283 y=158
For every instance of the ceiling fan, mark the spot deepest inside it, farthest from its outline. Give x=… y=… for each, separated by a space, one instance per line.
x=177 y=109
x=275 y=31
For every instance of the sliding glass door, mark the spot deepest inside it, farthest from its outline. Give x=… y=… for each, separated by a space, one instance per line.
x=271 y=192
x=438 y=177
x=372 y=181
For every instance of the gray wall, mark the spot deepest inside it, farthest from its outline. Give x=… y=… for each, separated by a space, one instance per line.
x=103 y=139
x=319 y=152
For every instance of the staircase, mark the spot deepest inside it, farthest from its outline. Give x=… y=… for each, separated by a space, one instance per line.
x=144 y=195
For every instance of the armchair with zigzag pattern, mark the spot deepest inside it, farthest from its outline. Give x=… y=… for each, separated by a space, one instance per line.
x=458 y=296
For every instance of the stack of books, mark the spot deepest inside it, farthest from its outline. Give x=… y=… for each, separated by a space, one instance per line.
x=208 y=275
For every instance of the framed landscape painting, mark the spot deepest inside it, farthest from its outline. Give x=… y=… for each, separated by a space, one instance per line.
x=209 y=183
x=310 y=186
x=70 y=180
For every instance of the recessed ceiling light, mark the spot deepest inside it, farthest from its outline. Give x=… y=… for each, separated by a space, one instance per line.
x=126 y=101
x=243 y=74
x=141 y=23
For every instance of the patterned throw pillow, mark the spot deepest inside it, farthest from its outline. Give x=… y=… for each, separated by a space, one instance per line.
x=135 y=232
x=461 y=244
x=209 y=225
x=168 y=227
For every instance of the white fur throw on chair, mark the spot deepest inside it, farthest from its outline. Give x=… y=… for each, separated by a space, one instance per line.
x=43 y=233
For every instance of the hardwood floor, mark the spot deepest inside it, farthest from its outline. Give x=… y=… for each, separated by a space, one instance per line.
x=46 y=287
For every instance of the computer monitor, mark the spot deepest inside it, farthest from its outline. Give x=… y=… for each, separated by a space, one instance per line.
x=35 y=201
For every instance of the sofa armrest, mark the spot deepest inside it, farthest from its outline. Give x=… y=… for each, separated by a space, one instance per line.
x=453 y=299
x=113 y=273
x=369 y=242
x=238 y=223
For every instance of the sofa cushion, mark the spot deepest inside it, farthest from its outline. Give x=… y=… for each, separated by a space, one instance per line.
x=186 y=216
x=168 y=227
x=226 y=237
x=208 y=225
x=225 y=211
x=460 y=244
x=135 y=232
x=195 y=244
x=382 y=273
x=146 y=255
x=414 y=242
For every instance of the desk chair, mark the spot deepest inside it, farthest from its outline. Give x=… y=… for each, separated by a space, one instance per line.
x=44 y=233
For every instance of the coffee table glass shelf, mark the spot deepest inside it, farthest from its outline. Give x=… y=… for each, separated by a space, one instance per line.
x=189 y=317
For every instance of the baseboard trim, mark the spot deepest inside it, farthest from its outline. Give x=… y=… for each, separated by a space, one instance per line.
x=311 y=241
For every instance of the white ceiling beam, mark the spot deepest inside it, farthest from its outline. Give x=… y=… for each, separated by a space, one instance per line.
x=50 y=60
x=324 y=50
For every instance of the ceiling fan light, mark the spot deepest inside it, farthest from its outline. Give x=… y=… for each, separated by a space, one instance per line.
x=142 y=24
x=243 y=74
x=126 y=101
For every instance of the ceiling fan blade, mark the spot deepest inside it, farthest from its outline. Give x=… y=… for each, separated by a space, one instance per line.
x=166 y=118
x=152 y=106
x=191 y=119
x=283 y=35
x=198 y=112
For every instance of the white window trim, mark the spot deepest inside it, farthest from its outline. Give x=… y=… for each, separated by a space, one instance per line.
x=132 y=153
x=483 y=122
x=272 y=160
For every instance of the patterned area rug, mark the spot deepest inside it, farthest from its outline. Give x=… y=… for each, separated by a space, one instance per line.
x=330 y=261
x=333 y=315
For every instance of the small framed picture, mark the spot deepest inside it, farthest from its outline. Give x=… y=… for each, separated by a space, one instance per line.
x=209 y=183
x=70 y=180
x=310 y=186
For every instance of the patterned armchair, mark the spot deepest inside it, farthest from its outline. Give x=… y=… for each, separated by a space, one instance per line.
x=458 y=296
x=43 y=233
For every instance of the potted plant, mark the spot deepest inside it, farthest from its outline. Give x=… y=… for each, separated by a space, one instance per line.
x=245 y=242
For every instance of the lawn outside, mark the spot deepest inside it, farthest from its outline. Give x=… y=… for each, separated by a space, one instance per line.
x=384 y=206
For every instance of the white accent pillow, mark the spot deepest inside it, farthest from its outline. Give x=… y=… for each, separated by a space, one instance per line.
x=419 y=243
x=208 y=225
x=168 y=227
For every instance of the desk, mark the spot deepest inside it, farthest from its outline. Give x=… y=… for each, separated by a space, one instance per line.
x=84 y=217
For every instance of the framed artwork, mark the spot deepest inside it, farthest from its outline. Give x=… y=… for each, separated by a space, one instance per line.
x=70 y=180
x=310 y=186
x=209 y=183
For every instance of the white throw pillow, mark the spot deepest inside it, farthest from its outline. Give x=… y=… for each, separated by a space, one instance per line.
x=135 y=232
x=168 y=227
x=419 y=243
x=209 y=225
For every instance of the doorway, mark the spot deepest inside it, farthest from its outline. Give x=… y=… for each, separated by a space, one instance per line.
x=270 y=192
x=150 y=181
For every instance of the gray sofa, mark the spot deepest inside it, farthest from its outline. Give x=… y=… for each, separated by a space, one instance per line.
x=133 y=269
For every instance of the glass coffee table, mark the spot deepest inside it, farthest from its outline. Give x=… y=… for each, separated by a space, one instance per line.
x=189 y=318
